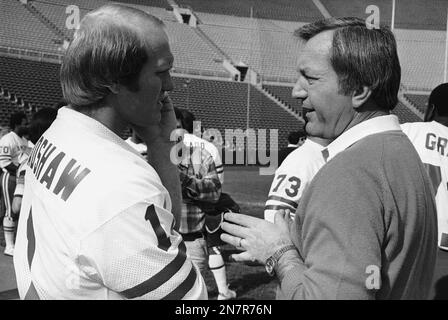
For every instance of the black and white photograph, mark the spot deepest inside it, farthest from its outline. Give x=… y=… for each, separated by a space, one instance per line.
x=243 y=151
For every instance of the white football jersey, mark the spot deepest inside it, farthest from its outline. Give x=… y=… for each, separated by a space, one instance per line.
x=430 y=139
x=11 y=147
x=139 y=147
x=292 y=177
x=197 y=142
x=95 y=221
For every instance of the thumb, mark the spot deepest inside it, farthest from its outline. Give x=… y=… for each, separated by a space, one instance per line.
x=281 y=218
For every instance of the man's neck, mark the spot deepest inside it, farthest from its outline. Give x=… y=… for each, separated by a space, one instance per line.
x=323 y=142
x=364 y=116
x=106 y=116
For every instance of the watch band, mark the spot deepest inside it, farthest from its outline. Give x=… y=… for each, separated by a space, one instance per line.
x=277 y=254
x=272 y=261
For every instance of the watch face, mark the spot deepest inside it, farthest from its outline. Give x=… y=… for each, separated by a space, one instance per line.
x=270 y=264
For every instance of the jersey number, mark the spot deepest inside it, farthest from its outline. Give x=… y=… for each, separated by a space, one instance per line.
x=293 y=189
x=435 y=175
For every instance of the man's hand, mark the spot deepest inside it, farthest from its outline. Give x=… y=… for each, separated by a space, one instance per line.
x=257 y=237
x=160 y=133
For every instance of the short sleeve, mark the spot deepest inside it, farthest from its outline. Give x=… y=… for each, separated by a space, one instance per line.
x=138 y=255
x=290 y=180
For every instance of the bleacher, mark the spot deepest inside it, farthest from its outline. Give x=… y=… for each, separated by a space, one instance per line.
x=284 y=94
x=298 y=10
x=150 y=3
x=192 y=54
x=259 y=49
x=422 y=55
x=36 y=82
x=223 y=105
x=419 y=101
x=404 y=114
x=426 y=15
x=21 y=29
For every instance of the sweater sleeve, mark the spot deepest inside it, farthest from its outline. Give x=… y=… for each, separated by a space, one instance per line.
x=341 y=237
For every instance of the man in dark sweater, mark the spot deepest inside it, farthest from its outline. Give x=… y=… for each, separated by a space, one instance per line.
x=366 y=227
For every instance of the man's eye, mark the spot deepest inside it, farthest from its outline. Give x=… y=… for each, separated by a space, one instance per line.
x=310 y=79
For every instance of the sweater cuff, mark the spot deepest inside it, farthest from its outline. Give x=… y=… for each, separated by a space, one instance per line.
x=292 y=279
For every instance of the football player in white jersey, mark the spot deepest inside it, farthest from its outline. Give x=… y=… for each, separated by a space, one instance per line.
x=40 y=122
x=12 y=146
x=430 y=139
x=84 y=233
x=293 y=176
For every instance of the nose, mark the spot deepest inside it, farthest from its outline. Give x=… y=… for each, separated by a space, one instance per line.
x=167 y=84
x=298 y=91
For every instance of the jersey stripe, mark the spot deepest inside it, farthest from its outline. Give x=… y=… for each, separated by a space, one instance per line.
x=164 y=241
x=184 y=287
x=435 y=175
x=159 y=278
x=31 y=239
x=289 y=202
x=277 y=207
x=32 y=294
x=5 y=189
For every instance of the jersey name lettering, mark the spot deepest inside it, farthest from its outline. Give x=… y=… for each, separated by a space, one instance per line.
x=45 y=170
x=436 y=143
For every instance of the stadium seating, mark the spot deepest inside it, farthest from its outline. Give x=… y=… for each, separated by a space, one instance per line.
x=21 y=29
x=426 y=15
x=191 y=53
x=223 y=105
x=298 y=10
x=36 y=82
x=419 y=101
x=404 y=114
x=422 y=55
x=151 y=3
x=82 y=4
x=259 y=49
x=284 y=94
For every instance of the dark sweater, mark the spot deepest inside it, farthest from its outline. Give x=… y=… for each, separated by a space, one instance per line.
x=368 y=209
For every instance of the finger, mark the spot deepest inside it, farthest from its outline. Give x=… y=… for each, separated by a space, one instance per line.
x=241 y=219
x=243 y=257
x=235 y=230
x=232 y=240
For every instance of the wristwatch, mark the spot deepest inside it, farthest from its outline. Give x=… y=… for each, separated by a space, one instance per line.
x=272 y=261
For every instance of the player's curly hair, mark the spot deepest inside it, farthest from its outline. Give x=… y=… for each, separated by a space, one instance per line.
x=105 y=50
x=361 y=56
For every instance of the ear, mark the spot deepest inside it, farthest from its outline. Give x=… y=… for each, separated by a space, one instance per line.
x=430 y=113
x=360 y=96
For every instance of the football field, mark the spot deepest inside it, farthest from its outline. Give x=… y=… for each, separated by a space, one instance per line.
x=251 y=282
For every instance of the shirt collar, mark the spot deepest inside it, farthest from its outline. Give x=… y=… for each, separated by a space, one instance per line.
x=75 y=118
x=291 y=145
x=360 y=131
